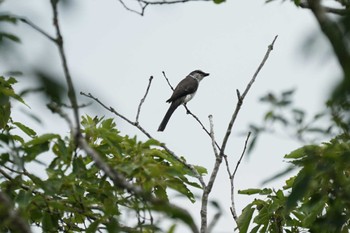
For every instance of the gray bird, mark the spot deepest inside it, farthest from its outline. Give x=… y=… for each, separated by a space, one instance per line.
x=183 y=93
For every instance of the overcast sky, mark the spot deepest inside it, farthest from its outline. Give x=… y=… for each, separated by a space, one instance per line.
x=113 y=52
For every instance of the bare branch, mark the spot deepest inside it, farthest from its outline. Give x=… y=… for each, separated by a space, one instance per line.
x=144 y=3
x=12 y=216
x=37 y=28
x=71 y=92
x=218 y=161
x=189 y=166
x=232 y=178
x=241 y=97
x=214 y=221
x=213 y=142
x=167 y=80
x=143 y=100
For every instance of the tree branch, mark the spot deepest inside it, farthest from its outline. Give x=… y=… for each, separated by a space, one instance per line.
x=71 y=92
x=232 y=178
x=144 y=3
x=218 y=161
x=120 y=181
x=37 y=28
x=332 y=10
x=112 y=110
x=334 y=34
x=12 y=216
x=143 y=100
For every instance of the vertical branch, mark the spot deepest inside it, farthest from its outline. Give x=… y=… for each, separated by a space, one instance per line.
x=71 y=92
x=218 y=161
x=232 y=179
x=143 y=100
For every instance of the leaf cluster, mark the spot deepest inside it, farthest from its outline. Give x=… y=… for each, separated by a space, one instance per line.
x=317 y=198
x=75 y=195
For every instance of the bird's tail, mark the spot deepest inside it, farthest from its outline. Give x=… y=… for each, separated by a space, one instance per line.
x=168 y=114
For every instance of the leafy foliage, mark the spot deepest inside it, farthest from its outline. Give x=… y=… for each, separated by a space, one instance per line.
x=317 y=198
x=74 y=195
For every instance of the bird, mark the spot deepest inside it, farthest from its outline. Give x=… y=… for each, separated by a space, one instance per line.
x=183 y=93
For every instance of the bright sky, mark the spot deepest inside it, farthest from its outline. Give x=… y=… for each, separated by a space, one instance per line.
x=112 y=52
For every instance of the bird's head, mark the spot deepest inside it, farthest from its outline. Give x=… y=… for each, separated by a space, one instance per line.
x=198 y=74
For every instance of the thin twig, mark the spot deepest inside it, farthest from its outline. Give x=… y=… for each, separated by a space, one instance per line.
x=167 y=80
x=240 y=100
x=143 y=4
x=71 y=92
x=213 y=142
x=189 y=166
x=143 y=100
x=232 y=178
x=214 y=221
x=37 y=28
x=218 y=161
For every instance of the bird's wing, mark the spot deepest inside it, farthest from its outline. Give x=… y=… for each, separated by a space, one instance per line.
x=187 y=86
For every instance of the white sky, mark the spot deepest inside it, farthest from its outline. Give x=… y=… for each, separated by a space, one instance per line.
x=112 y=52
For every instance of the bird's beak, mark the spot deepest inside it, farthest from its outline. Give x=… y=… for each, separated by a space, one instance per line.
x=206 y=74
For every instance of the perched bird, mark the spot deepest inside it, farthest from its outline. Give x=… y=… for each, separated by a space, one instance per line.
x=183 y=93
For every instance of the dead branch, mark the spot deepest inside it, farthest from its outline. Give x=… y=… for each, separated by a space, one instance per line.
x=218 y=161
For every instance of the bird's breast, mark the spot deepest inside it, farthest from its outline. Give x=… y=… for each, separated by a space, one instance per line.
x=188 y=97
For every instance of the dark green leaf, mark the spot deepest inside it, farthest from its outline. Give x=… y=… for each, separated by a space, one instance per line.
x=4 y=35
x=8 y=18
x=93 y=227
x=25 y=129
x=219 y=1
x=244 y=219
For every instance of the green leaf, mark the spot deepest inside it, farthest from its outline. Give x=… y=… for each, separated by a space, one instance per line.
x=244 y=219
x=49 y=222
x=180 y=187
x=219 y=1
x=4 y=35
x=112 y=226
x=300 y=187
x=42 y=139
x=301 y=152
x=160 y=193
x=25 y=129
x=172 y=228
x=8 y=18
x=93 y=227
x=249 y=191
x=201 y=170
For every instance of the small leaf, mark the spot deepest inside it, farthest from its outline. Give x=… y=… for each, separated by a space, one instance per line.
x=249 y=191
x=244 y=219
x=9 y=36
x=42 y=139
x=93 y=227
x=8 y=18
x=25 y=129
x=301 y=152
x=219 y=1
